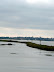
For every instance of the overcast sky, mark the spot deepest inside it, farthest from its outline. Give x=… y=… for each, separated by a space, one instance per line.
x=22 y=17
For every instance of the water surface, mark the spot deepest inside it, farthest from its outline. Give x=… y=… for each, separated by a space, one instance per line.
x=20 y=58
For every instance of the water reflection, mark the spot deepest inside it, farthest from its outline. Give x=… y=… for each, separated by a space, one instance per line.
x=21 y=58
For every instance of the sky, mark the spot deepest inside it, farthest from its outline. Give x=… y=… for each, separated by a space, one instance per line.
x=27 y=18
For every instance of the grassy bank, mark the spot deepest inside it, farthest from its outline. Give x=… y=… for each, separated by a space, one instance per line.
x=42 y=47
x=33 y=45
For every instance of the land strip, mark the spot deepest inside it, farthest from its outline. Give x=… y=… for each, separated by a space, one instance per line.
x=33 y=45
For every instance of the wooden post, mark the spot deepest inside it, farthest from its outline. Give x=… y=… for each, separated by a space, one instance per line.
x=40 y=45
x=40 y=40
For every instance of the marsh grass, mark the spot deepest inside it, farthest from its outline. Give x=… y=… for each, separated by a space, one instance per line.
x=48 y=54
x=42 y=47
x=33 y=45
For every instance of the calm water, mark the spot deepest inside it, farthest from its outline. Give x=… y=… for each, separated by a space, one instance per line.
x=20 y=58
x=50 y=43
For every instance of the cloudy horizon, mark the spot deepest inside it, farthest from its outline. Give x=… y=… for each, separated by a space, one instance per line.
x=27 y=18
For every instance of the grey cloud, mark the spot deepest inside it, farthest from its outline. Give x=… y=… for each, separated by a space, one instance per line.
x=22 y=15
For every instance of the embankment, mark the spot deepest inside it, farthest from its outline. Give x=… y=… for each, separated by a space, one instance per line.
x=33 y=45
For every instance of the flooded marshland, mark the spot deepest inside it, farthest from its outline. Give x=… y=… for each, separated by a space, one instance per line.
x=21 y=58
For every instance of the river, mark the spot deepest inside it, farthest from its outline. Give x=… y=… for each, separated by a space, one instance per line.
x=21 y=58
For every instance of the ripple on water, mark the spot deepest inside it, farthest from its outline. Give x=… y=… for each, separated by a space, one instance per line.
x=13 y=53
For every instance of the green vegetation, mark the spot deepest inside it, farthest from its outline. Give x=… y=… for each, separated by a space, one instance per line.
x=4 y=40
x=33 y=45
x=42 y=47
x=7 y=44
x=48 y=54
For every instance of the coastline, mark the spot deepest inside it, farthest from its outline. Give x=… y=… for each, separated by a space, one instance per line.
x=33 y=45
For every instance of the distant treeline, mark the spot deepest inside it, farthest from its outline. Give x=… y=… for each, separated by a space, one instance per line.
x=29 y=38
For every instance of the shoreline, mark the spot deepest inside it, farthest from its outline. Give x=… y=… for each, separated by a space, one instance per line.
x=33 y=45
